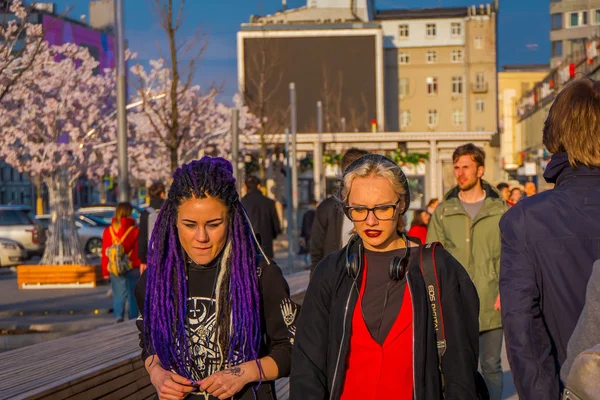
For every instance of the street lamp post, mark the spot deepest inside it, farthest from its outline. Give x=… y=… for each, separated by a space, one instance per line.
x=121 y=102
x=294 y=165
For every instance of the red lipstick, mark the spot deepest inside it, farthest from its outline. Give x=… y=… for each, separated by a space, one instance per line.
x=372 y=233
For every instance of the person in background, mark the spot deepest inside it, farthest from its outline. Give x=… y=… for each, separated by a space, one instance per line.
x=262 y=213
x=418 y=226
x=530 y=189
x=307 y=223
x=466 y=223
x=123 y=231
x=432 y=205
x=504 y=190
x=331 y=230
x=515 y=195
x=587 y=331
x=550 y=242
x=157 y=193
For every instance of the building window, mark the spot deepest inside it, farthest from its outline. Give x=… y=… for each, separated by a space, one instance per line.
x=432 y=85
x=578 y=18
x=557 y=48
x=479 y=42
x=457 y=85
x=457 y=56
x=431 y=30
x=404 y=87
x=431 y=57
x=405 y=118
x=556 y=21
x=480 y=105
x=457 y=117
x=456 y=29
x=432 y=118
x=574 y=19
x=403 y=31
x=597 y=17
x=403 y=58
x=480 y=79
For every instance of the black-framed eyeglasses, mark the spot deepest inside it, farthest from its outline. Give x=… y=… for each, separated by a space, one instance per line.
x=384 y=212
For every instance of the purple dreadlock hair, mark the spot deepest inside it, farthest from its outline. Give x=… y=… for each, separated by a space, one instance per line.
x=238 y=303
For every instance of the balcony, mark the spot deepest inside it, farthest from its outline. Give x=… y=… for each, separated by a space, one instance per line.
x=480 y=87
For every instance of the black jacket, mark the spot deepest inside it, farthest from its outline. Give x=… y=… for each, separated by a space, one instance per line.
x=264 y=218
x=278 y=315
x=326 y=235
x=144 y=236
x=549 y=244
x=321 y=348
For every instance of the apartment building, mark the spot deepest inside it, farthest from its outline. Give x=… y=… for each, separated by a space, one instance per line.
x=513 y=82
x=573 y=23
x=440 y=68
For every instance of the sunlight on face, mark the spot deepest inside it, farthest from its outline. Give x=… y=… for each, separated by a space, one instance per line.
x=467 y=172
x=371 y=192
x=203 y=227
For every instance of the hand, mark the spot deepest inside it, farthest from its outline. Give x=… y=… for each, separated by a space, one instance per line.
x=169 y=385
x=225 y=384
x=497 y=306
x=142 y=268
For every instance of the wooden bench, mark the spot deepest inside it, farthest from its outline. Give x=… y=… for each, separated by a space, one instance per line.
x=57 y=276
x=101 y=364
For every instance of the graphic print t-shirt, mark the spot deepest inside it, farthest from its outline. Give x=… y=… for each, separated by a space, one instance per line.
x=202 y=320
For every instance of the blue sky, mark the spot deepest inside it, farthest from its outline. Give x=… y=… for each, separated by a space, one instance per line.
x=521 y=23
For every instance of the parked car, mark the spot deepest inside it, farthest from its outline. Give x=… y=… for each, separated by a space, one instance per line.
x=18 y=223
x=11 y=253
x=107 y=212
x=89 y=231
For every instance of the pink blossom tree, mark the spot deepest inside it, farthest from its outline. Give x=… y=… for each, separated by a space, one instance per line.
x=48 y=118
x=158 y=144
x=20 y=42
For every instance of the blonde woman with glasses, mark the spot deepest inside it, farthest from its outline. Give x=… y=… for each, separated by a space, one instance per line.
x=367 y=328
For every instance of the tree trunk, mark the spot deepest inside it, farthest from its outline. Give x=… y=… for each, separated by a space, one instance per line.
x=174 y=160
x=62 y=245
x=262 y=158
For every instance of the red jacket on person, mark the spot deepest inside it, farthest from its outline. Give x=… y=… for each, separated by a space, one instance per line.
x=130 y=243
x=419 y=232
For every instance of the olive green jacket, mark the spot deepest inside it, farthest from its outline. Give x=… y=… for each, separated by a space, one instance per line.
x=475 y=243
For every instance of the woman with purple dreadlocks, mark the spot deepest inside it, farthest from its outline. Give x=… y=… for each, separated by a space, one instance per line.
x=217 y=319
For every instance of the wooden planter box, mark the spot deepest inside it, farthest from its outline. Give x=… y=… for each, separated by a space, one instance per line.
x=57 y=276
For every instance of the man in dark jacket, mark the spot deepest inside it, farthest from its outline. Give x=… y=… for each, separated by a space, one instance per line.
x=328 y=231
x=549 y=244
x=158 y=194
x=262 y=213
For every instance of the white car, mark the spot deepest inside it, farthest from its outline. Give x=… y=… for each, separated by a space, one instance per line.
x=11 y=253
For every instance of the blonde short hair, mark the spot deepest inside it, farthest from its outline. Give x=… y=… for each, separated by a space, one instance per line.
x=370 y=167
x=573 y=123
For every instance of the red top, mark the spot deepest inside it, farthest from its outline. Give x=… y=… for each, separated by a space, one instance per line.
x=419 y=232
x=380 y=372
x=130 y=244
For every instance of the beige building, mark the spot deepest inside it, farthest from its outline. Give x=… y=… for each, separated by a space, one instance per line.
x=427 y=78
x=440 y=69
x=513 y=82
x=573 y=24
